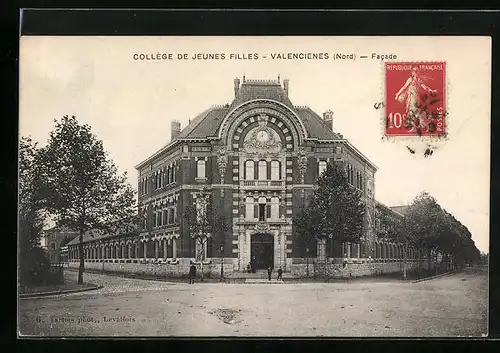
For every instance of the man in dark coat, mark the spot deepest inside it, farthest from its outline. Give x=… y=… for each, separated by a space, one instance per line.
x=192 y=273
x=269 y=271
x=280 y=273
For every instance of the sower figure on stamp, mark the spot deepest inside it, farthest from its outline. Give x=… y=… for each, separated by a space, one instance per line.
x=415 y=105
x=192 y=273
x=280 y=274
x=269 y=272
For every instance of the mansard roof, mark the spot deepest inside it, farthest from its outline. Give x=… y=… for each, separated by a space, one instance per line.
x=315 y=125
x=400 y=209
x=391 y=209
x=261 y=89
x=119 y=230
x=207 y=123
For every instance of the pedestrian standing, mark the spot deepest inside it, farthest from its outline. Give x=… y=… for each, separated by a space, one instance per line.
x=269 y=271
x=280 y=273
x=192 y=273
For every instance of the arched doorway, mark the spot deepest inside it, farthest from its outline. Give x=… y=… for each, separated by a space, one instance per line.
x=262 y=251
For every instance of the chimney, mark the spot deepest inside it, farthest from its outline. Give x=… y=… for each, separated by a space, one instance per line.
x=328 y=120
x=236 y=86
x=285 y=85
x=175 y=129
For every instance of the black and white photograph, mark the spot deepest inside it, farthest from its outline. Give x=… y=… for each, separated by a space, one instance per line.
x=278 y=186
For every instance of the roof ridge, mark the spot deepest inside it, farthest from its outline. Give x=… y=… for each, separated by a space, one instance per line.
x=261 y=81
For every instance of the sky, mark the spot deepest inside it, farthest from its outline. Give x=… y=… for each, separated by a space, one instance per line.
x=130 y=103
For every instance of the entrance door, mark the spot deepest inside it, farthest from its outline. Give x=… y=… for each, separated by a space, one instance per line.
x=262 y=250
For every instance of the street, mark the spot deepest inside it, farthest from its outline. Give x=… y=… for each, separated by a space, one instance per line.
x=449 y=306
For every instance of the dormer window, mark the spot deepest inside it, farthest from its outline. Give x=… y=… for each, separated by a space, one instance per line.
x=200 y=171
x=321 y=167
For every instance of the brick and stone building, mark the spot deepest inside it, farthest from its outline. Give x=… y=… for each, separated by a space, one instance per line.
x=54 y=240
x=260 y=155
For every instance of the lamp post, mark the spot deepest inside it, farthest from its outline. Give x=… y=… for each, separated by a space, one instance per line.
x=222 y=262
x=307 y=262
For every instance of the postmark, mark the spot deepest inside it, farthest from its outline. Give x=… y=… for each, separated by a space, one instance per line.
x=415 y=99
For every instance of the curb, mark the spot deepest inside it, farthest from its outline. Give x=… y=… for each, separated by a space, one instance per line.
x=44 y=294
x=433 y=277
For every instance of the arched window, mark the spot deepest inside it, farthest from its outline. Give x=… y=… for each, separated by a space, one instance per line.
x=275 y=170
x=321 y=167
x=201 y=169
x=262 y=170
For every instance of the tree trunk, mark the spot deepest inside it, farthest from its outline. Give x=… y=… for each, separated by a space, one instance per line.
x=202 y=258
x=429 y=261
x=81 y=268
x=419 y=262
x=404 y=261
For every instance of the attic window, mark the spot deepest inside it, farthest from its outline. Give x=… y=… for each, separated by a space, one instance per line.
x=201 y=169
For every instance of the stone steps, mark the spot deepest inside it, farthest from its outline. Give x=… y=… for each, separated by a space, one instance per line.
x=262 y=281
x=257 y=275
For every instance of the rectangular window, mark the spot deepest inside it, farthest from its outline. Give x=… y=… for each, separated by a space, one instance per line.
x=201 y=169
x=249 y=170
x=249 y=206
x=262 y=170
x=262 y=212
x=275 y=170
x=170 y=249
x=53 y=246
x=275 y=208
x=321 y=167
x=268 y=211
x=171 y=216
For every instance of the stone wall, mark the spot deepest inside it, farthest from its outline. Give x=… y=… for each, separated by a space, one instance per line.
x=157 y=270
x=335 y=269
x=353 y=268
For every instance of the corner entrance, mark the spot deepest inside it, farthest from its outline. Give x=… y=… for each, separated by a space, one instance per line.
x=262 y=251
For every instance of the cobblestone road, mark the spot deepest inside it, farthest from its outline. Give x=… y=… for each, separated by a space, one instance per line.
x=449 y=306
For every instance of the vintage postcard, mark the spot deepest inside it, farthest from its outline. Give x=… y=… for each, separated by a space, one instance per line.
x=254 y=186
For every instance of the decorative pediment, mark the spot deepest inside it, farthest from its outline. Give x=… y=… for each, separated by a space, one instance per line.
x=262 y=227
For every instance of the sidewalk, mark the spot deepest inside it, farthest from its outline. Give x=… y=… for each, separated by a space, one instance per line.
x=57 y=289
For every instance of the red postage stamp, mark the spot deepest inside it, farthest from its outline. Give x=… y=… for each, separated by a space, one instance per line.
x=415 y=96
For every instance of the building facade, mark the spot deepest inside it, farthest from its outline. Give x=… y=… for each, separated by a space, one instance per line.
x=54 y=240
x=260 y=157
